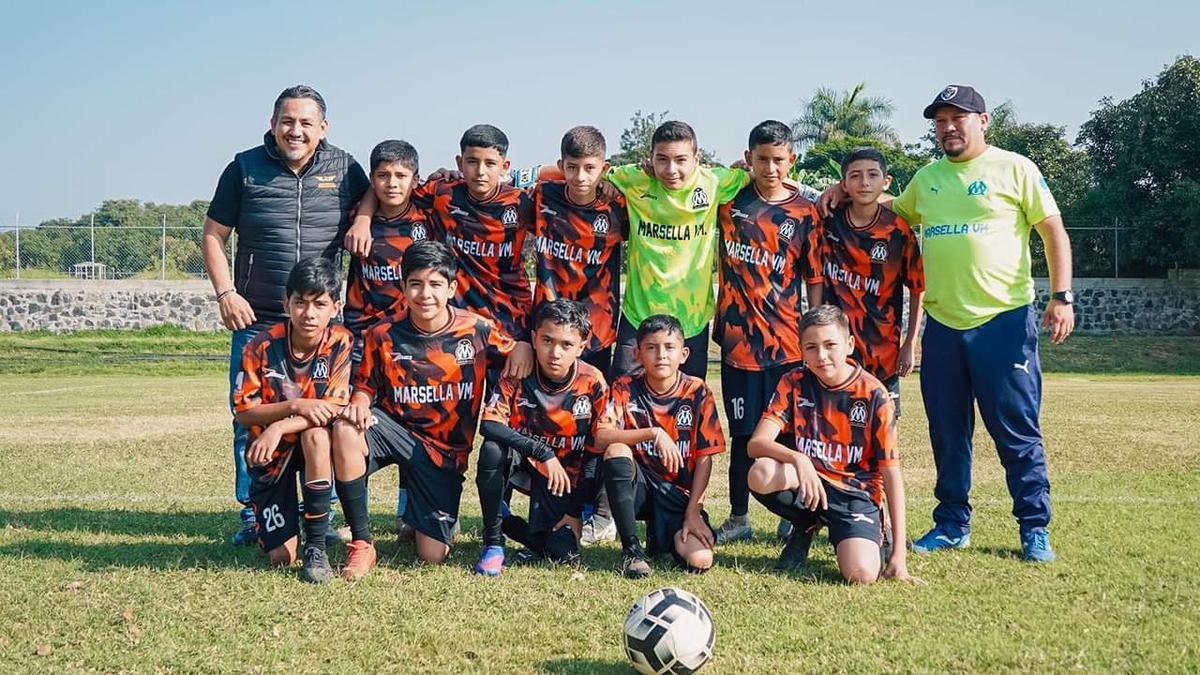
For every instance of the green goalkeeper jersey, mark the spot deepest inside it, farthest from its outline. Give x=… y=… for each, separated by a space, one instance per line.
x=673 y=243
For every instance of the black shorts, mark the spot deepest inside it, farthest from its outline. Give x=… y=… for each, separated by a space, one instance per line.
x=434 y=492
x=747 y=394
x=847 y=516
x=624 y=362
x=662 y=506
x=601 y=359
x=276 y=502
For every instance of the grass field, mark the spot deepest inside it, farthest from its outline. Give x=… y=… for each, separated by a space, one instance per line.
x=116 y=508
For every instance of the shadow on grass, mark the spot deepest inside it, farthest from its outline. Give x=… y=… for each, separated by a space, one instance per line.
x=567 y=666
x=999 y=552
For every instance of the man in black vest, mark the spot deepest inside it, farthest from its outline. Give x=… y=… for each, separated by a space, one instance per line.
x=289 y=199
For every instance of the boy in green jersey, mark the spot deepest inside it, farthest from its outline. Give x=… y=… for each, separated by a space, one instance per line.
x=672 y=243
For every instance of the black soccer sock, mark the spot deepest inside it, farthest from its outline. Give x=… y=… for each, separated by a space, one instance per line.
x=489 y=479
x=353 y=495
x=618 y=478
x=317 y=494
x=517 y=529
x=739 y=472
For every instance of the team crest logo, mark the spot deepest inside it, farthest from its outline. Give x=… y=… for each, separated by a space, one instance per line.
x=787 y=229
x=858 y=414
x=949 y=93
x=977 y=189
x=600 y=224
x=464 y=353
x=582 y=408
x=418 y=232
x=699 y=199
x=510 y=217
x=683 y=418
x=879 y=252
x=320 y=370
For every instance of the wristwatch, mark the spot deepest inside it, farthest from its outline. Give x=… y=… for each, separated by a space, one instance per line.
x=1067 y=296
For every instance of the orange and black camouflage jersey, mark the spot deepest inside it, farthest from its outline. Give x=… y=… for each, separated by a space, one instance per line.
x=270 y=375
x=866 y=270
x=432 y=383
x=578 y=253
x=374 y=289
x=488 y=238
x=564 y=419
x=688 y=413
x=770 y=251
x=849 y=432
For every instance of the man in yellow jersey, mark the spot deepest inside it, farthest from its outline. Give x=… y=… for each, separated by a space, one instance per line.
x=974 y=209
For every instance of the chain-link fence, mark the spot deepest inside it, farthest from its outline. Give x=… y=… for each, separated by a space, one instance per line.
x=174 y=253
x=162 y=253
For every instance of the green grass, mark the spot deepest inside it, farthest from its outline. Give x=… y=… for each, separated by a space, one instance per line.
x=116 y=509
x=164 y=350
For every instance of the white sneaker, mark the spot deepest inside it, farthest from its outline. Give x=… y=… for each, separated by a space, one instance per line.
x=598 y=529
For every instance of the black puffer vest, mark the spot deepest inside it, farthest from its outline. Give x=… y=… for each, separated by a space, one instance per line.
x=286 y=218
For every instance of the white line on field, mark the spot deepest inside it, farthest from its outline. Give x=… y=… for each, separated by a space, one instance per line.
x=225 y=499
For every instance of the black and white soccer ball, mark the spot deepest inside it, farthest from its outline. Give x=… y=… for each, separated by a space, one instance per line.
x=669 y=631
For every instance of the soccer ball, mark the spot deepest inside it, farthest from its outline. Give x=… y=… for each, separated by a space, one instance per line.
x=669 y=631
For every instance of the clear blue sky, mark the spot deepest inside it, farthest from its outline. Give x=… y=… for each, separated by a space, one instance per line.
x=150 y=100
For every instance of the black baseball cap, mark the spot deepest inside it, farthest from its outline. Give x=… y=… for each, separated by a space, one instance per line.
x=958 y=95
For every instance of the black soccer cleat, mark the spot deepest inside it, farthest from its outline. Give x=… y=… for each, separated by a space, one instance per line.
x=635 y=564
x=316 y=566
x=795 y=552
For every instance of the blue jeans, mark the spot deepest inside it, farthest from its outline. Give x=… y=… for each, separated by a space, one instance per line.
x=241 y=435
x=997 y=366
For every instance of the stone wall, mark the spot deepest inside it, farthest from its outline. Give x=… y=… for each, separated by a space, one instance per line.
x=1133 y=306
x=1103 y=306
x=62 y=306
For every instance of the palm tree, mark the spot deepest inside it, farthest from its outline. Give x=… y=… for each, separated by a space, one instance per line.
x=831 y=115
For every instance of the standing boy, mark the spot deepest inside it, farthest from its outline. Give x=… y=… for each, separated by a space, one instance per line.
x=770 y=258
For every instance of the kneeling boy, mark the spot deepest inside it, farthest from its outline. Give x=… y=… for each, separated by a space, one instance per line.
x=661 y=431
x=416 y=404
x=295 y=380
x=549 y=419
x=844 y=460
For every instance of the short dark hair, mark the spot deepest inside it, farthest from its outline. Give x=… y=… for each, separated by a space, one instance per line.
x=429 y=255
x=300 y=91
x=314 y=276
x=484 y=136
x=658 y=323
x=672 y=131
x=564 y=313
x=825 y=315
x=583 y=141
x=865 y=152
x=401 y=152
x=770 y=132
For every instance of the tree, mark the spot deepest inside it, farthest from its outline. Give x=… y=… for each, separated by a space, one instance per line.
x=636 y=140
x=831 y=116
x=824 y=160
x=1145 y=151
